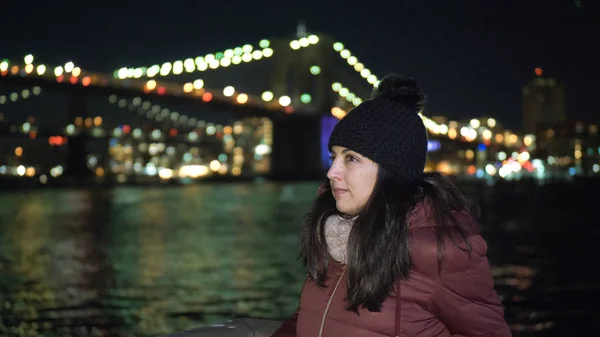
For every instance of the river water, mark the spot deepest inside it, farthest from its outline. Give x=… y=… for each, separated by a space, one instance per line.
x=135 y=261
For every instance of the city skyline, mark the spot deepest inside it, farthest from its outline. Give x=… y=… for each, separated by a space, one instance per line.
x=477 y=70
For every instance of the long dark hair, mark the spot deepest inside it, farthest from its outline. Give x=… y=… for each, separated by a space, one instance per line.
x=378 y=250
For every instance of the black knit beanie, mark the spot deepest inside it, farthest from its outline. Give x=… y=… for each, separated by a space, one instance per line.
x=387 y=128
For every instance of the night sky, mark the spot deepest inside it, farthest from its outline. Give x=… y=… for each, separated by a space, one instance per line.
x=472 y=57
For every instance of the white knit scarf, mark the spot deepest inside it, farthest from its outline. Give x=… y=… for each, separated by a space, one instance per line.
x=337 y=231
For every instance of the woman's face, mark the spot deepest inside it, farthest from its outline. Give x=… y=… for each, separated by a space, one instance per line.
x=352 y=178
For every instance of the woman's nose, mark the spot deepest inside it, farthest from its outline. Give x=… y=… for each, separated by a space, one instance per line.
x=334 y=171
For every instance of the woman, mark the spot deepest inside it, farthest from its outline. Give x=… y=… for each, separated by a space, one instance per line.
x=390 y=250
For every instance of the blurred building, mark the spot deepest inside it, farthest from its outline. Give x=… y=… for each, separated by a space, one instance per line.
x=240 y=149
x=543 y=102
x=569 y=148
x=479 y=148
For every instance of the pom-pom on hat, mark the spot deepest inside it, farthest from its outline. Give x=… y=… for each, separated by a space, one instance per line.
x=387 y=128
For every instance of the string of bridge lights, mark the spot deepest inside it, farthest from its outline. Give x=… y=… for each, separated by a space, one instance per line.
x=155 y=112
x=372 y=79
x=70 y=73
x=358 y=66
x=233 y=56
x=16 y=96
x=59 y=72
x=20 y=95
x=160 y=114
x=212 y=61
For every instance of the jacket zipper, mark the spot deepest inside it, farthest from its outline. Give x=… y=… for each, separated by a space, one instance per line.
x=330 y=300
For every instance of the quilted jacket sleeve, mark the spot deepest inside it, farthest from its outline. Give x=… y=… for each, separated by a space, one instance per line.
x=465 y=300
x=288 y=328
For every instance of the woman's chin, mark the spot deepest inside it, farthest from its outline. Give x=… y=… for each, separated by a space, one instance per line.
x=346 y=209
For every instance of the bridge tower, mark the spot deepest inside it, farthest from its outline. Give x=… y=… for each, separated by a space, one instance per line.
x=302 y=74
x=305 y=71
x=76 y=165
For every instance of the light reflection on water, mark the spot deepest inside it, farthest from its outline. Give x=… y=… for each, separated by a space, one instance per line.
x=148 y=261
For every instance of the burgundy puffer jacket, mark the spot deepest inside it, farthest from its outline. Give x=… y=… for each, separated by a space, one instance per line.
x=460 y=301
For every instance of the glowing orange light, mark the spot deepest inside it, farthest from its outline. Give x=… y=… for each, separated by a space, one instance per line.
x=4 y=73
x=539 y=71
x=207 y=97
x=172 y=132
x=60 y=78
x=86 y=81
x=126 y=129
x=471 y=169
x=161 y=90
x=57 y=140
x=73 y=79
x=338 y=112
x=33 y=135
x=288 y=109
